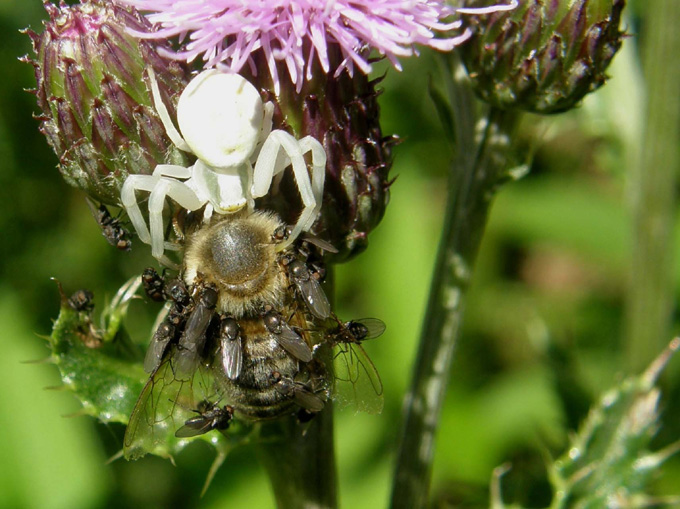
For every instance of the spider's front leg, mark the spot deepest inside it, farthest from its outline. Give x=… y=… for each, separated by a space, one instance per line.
x=271 y=162
x=161 y=184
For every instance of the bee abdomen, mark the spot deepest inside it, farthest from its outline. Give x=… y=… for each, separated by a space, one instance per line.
x=253 y=394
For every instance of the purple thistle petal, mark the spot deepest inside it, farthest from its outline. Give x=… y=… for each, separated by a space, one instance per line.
x=228 y=32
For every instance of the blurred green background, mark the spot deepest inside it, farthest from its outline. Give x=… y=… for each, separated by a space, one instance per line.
x=542 y=336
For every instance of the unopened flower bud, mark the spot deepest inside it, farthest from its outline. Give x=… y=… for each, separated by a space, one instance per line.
x=92 y=88
x=545 y=55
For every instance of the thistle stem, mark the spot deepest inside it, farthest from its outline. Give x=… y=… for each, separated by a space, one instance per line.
x=474 y=177
x=653 y=183
x=300 y=459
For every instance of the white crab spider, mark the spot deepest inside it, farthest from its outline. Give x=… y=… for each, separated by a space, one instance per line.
x=228 y=128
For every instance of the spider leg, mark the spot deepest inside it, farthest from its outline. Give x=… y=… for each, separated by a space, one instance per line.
x=267 y=120
x=170 y=129
x=173 y=170
x=310 y=144
x=208 y=213
x=269 y=163
x=250 y=200
x=179 y=192
x=129 y=202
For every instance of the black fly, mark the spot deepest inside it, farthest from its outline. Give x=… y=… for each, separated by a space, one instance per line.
x=112 y=228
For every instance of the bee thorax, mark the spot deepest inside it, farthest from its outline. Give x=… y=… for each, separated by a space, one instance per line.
x=237 y=255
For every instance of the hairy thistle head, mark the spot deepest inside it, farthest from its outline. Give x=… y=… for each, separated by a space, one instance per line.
x=545 y=55
x=96 y=109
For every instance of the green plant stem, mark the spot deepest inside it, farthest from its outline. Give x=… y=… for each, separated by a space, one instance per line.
x=300 y=461
x=473 y=180
x=653 y=183
x=300 y=458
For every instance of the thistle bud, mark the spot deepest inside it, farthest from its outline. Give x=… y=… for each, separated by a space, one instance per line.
x=341 y=112
x=545 y=55
x=92 y=88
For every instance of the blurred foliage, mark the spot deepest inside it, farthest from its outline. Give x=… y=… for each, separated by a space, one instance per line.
x=542 y=336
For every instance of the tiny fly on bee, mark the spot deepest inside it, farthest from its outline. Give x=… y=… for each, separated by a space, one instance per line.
x=174 y=317
x=154 y=284
x=231 y=347
x=309 y=288
x=286 y=337
x=192 y=340
x=164 y=407
x=210 y=416
x=356 y=331
x=301 y=394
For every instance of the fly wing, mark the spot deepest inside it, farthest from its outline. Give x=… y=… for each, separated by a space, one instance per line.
x=315 y=297
x=371 y=327
x=318 y=242
x=194 y=427
x=232 y=357
x=164 y=405
x=357 y=382
x=159 y=342
x=192 y=341
x=308 y=400
x=293 y=343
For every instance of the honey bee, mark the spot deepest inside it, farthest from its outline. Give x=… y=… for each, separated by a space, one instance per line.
x=245 y=319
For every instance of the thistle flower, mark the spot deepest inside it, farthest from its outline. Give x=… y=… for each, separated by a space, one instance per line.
x=299 y=33
x=545 y=56
x=97 y=112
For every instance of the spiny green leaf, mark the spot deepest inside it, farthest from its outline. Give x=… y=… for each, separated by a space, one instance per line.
x=608 y=461
x=101 y=366
x=104 y=369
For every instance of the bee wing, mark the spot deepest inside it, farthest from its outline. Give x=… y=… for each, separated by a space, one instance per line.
x=357 y=382
x=164 y=405
x=293 y=343
x=232 y=357
x=194 y=427
x=374 y=327
x=315 y=297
